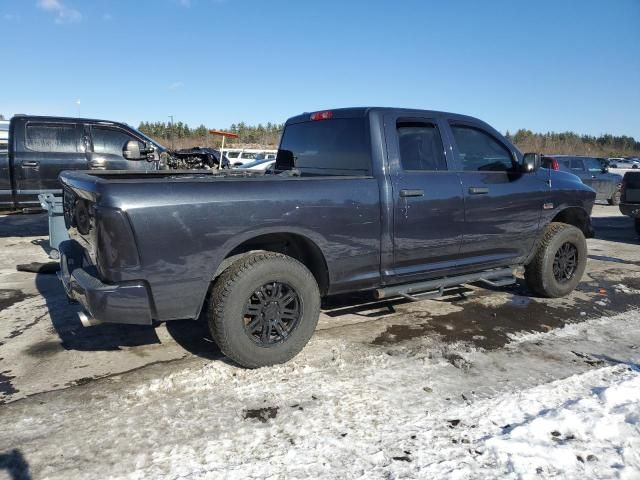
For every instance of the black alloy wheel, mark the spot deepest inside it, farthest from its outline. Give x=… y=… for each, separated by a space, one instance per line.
x=272 y=313
x=565 y=262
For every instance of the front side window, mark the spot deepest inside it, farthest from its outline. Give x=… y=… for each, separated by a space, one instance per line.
x=420 y=146
x=480 y=151
x=54 y=138
x=109 y=141
x=233 y=154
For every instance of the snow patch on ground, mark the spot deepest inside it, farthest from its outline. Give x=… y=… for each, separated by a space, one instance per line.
x=340 y=410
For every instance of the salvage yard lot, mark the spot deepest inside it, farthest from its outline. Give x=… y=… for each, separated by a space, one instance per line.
x=396 y=388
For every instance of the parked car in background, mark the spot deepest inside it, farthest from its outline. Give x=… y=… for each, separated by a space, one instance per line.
x=240 y=156
x=261 y=165
x=4 y=134
x=392 y=201
x=630 y=197
x=591 y=171
x=624 y=163
x=39 y=148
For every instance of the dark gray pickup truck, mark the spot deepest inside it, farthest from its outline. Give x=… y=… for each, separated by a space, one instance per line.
x=392 y=201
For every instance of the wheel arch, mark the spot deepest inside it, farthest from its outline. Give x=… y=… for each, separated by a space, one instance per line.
x=294 y=245
x=576 y=216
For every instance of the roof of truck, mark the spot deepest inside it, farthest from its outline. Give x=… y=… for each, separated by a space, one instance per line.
x=48 y=118
x=355 y=112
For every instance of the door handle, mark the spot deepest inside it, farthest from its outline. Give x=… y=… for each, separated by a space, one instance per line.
x=30 y=164
x=412 y=193
x=478 y=190
x=97 y=164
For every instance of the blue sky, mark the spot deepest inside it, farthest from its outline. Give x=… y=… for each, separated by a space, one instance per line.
x=545 y=64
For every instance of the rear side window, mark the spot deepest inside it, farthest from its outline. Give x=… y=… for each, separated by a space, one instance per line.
x=233 y=154
x=420 y=146
x=56 y=138
x=480 y=151
x=109 y=141
x=326 y=147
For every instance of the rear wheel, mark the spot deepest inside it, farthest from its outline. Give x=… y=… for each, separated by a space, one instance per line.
x=263 y=309
x=559 y=262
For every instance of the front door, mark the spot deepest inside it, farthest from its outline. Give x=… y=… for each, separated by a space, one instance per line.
x=108 y=146
x=428 y=208
x=503 y=206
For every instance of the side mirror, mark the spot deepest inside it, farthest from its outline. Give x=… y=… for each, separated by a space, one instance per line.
x=531 y=162
x=132 y=151
x=135 y=150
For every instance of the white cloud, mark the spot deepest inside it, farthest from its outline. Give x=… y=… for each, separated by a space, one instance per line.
x=62 y=13
x=176 y=85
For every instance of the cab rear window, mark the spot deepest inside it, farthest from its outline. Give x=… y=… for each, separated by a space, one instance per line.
x=339 y=146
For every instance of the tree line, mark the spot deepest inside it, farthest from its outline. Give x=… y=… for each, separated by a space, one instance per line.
x=571 y=143
x=183 y=136
x=268 y=136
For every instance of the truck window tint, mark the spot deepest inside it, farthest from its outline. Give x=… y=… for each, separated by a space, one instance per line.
x=420 y=146
x=593 y=165
x=480 y=151
x=576 y=164
x=52 y=138
x=326 y=147
x=109 y=140
x=233 y=154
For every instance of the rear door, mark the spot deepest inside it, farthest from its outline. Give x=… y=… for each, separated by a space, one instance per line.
x=428 y=207
x=42 y=151
x=107 y=144
x=502 y=205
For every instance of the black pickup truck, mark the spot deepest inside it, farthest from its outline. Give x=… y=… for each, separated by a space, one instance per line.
x=630 y=197
x=392 y=201
x=39 y=148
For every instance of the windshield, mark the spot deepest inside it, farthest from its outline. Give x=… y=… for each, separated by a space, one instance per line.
x=162 y=148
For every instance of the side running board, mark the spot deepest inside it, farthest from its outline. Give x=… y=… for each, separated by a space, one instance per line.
x=498 y=277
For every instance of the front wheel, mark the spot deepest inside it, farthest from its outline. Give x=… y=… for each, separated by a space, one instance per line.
x=559 y=262
x=263 y=309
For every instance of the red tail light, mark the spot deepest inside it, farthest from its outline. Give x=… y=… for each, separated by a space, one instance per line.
x=326 y=115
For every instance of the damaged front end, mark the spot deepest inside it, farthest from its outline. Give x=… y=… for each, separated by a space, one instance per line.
x=198 y=158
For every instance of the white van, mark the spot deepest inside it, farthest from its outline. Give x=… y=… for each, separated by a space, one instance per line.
x=240 y=156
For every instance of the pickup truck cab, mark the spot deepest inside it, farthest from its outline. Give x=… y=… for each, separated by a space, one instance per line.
x=39 y=148
x=391 y=201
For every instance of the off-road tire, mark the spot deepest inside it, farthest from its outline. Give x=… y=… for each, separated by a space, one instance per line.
x=230 y=293
x=539 y=271
x=637 y=225
x=615 y=198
